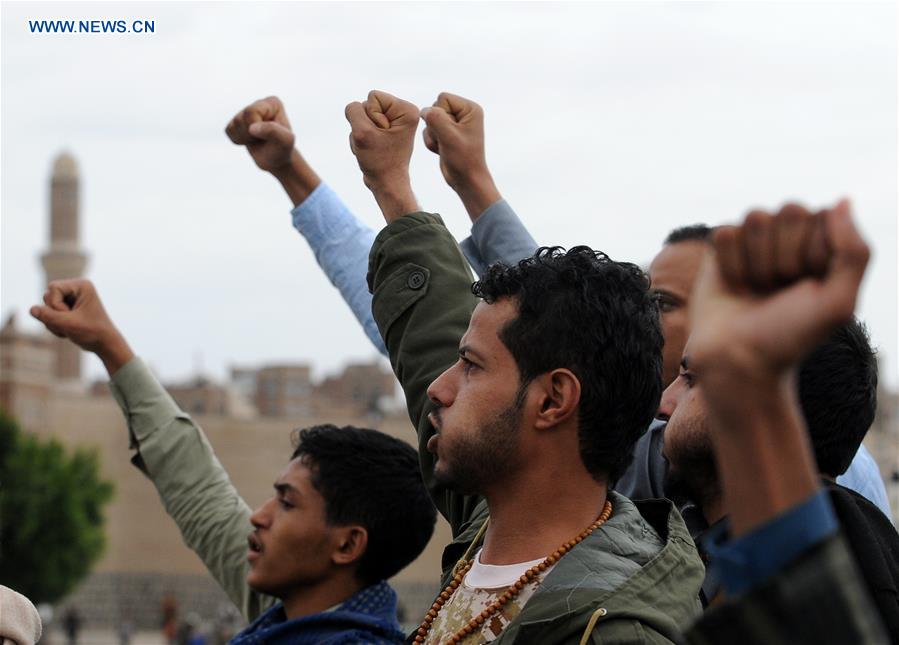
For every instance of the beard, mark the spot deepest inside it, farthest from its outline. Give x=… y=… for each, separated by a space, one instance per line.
x=692 y=471
x=475 y=461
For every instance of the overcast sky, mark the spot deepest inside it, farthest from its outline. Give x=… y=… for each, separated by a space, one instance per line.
x=607 y=124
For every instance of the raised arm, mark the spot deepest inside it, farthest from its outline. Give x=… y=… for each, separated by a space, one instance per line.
x=769 y=292
x=171 y=450
x=339 y=240
x=455 y=131
x=420 y=281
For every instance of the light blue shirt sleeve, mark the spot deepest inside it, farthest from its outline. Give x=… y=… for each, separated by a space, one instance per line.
x=341 y=244
x=863 y=476
x=498 y=235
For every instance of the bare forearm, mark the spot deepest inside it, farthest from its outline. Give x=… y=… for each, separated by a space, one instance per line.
x=297 y=178
x=114 y=351
x=395 y=198
x=764 y=458
x=477 y=192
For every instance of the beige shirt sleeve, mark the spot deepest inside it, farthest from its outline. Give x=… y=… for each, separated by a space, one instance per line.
x=194 y=488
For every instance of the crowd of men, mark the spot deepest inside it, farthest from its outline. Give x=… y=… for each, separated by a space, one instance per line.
x=622 y=457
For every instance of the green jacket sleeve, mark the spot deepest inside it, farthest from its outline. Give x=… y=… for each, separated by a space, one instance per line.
x=195 y=490
x=819 y=598
x=422 y=302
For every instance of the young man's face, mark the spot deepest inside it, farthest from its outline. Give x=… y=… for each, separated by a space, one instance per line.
x=479 y=418
x=671 y=275
x=292 y=543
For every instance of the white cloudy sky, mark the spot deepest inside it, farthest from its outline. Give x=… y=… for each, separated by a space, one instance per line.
x=608 y=124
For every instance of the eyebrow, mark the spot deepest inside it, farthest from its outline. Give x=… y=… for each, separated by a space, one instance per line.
x=466 y=350
x=284 y=488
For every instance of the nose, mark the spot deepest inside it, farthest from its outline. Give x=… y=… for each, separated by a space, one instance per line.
x=669 y=400
x=261 y=517
x=441 y=391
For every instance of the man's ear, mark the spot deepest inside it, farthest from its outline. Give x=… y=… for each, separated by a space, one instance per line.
x=352 y=541
x=559 y=393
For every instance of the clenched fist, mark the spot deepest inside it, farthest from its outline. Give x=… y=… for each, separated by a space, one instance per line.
x=72 y=309
x=382 y=137
x=455 y=131
x=265 y=131
x=773 y=288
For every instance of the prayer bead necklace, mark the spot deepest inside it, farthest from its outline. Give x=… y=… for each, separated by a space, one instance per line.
x=475 y=623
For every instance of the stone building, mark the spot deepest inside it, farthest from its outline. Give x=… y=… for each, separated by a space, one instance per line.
x=363 y=385
x=65 y=259
x=27 y=373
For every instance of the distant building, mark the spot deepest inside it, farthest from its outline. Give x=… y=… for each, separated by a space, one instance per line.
x=284 y=391
x=200 y=396
x=27 y=373
x=883 y=442
x=362 y=386
x=288 y=391
x=65 y=259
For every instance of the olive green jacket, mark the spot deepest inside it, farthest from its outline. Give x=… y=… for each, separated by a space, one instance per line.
x=194 y=488
x=635 y=579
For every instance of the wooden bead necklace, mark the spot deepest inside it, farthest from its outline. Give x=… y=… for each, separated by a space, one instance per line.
x=475 y=623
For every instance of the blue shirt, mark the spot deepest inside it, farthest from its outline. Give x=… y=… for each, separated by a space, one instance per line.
x=369 y=616
x=341 y=244
x=751 y=559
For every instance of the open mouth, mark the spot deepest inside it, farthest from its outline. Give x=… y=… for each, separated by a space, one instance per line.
x=254 y=544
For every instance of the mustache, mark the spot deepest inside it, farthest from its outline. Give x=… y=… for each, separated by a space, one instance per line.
x=435 y=419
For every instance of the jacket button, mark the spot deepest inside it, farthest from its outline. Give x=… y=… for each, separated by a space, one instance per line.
x=416 y=280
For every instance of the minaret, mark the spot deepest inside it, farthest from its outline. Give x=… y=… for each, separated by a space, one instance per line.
x=64 y=259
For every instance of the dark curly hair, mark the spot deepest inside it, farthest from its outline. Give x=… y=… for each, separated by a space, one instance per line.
x=582 y=311
x=369 y=478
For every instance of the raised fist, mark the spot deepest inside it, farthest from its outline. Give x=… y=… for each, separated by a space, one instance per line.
x=382 y=137
x=775 y=287
x=265 y=131
x=455 y=131
x=72 y=309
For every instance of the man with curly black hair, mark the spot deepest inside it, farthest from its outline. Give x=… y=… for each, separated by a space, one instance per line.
x=527 y=404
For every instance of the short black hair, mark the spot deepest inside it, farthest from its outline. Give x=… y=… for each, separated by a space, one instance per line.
x=582 y=311
x=372 y=479
x=838 y=395
x=692 y=233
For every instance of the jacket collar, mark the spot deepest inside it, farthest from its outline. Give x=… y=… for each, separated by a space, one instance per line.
x=368 y=615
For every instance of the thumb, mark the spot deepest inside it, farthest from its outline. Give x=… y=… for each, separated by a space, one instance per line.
x=430 y=140
x=272 y=131
x=438 y=121
x=51 y=318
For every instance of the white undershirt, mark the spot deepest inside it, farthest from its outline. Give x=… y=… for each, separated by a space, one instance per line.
x=491 y=576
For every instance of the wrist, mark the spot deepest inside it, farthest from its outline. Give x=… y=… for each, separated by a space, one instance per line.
x=113 y=350
x=478 y=192
x=297 y=178
x=394 y=196
x=395 y=204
